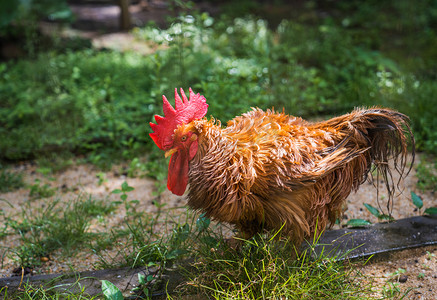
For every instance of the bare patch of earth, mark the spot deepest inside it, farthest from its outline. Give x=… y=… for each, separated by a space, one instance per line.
x=417 y=266
x=413 y=270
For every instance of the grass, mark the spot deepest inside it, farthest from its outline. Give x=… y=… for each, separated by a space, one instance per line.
x=54 y=292
x=53 y=226
x=427 y=173
x=267 y=269
x=98 y=103
x=262 y=268
x=9 y=181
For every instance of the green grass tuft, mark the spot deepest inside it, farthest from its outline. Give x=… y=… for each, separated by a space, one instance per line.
x=271 y=269
x=44 y=230
x=9 y=181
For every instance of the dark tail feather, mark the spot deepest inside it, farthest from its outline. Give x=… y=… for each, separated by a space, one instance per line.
x=388 y=135
x=380 y=135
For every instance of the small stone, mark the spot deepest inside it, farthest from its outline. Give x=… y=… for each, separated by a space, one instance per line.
x=403 y=278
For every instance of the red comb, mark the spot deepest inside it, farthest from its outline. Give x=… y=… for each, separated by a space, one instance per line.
x=184 y=112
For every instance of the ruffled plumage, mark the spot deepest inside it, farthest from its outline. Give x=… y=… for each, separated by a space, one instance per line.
x=266 y=170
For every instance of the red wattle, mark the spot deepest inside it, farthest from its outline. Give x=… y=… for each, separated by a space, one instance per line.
x=177 y=180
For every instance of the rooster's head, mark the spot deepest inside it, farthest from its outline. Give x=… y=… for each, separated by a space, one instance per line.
x=171 y=134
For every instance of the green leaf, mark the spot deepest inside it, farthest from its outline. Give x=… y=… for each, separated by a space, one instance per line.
x=123 y=197
x=8 y=11
x=431 y=211
x=141 y=278
x=110 y=291
x=149 y=278
x=129 y=189
x=176 y=253
x=135 y=201
x=373 y=210
x=357 y=222
x=126 y=188
x=202 y=223
x=416 y=200
x=116 y=191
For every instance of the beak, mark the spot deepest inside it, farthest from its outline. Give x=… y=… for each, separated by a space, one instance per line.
x=170 y=152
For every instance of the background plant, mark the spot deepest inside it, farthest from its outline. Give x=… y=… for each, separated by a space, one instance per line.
x=10 y=181
x=310 y=66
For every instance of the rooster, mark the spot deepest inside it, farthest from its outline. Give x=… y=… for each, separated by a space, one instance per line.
x=267 y=170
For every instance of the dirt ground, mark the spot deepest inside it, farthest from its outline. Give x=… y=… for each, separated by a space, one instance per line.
x=417 y=268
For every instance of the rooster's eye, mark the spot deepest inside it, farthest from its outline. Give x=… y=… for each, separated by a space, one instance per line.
x=184 y=138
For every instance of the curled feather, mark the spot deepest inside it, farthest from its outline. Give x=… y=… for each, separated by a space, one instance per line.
x=266 y=170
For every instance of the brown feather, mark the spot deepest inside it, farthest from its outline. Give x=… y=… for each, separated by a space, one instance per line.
x=266 y=170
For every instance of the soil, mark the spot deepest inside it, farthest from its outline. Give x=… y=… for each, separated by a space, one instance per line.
x=417 y=266
x=414 y=269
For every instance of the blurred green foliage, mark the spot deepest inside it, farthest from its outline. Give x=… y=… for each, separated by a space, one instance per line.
x=323 y=61
x=10 y=181
x=20 y=32
x=78 y=102
x=23 y=11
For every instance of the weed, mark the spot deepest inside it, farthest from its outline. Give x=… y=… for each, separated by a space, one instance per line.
x=381 y=216
x=357 y=223
x=4 y=229
x=415 y=199
x=261 y=268
x=391 y=290
x=9 y=181
x=98 y=103
x=143 y=284
x=427 y=173
x=396 y=274
x=270 y=269
x=418 y=202
x=53 y=163
x=51 y=290
x=110 y=291
x=37 y=190
x=54 y=227
x=137 y=168
x=128 y=205
x=102 y=178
